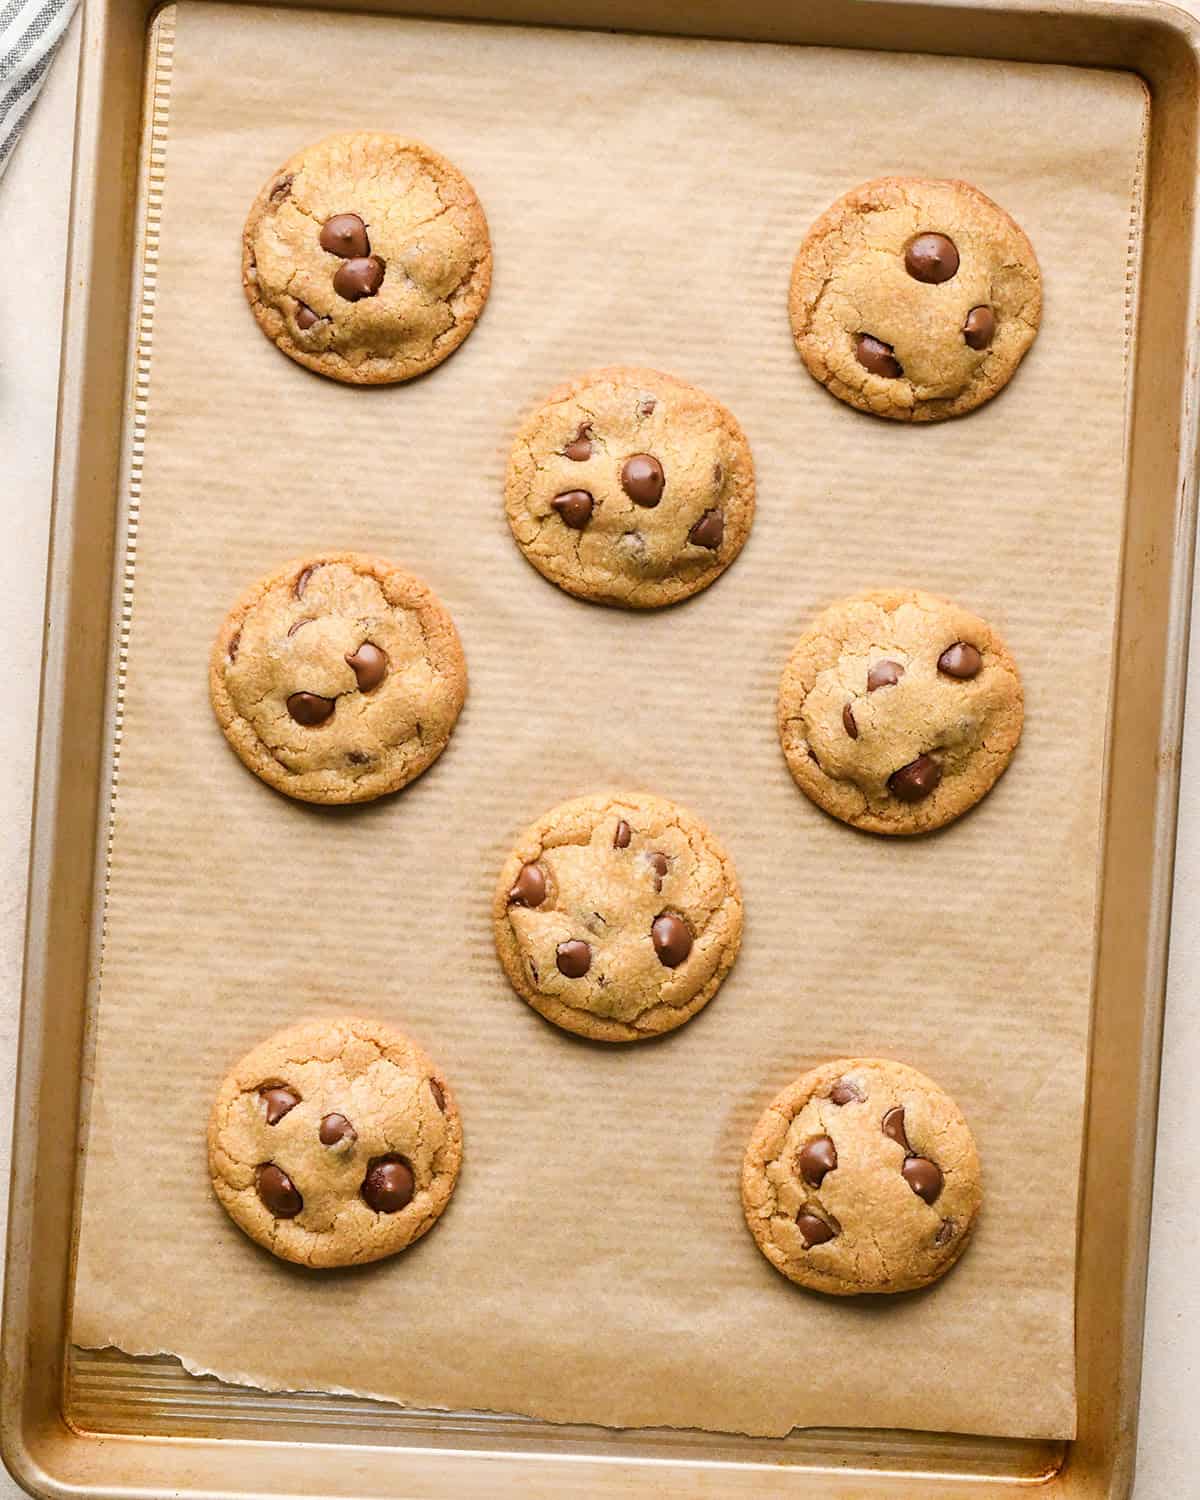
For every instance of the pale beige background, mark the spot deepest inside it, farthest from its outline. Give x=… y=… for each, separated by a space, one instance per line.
x=33 y=200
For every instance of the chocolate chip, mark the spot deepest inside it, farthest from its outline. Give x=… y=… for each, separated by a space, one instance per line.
x=672 y=939
x=884 y=674
x=642 y=479
x=345 y=235
x=932 y=258
x=893 y=1126
x=815 y=1158
x=575 y=507
x=277 y=1100
x=960 y=660
x=305 y=317
x=915 y=781
x=281 y=187
x=660 y=864
x=980 y=328
x=358 y=278
x=388 y=1185
x=718 y=475
x=334 y=1129
x=646 y=406
x=302 y=578
x=529 y=888
x=874 y=355
x=848 y=721
x=573 y=958
x=709 y=530
x=923 y=1176
x=309 y=709
x=813 y=1231
x=580 y=446
x=358 y=757
x=296 y=624
x=946 y=1232
x=439 y=1094
x=369 y=665
x=277 y=1191
x=235 y=641
x=622 y=836
x=846 y=1091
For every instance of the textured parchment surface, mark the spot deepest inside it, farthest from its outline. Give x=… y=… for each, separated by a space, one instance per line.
x=645 y=197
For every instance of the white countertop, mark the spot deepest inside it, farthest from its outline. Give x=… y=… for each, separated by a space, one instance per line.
x=33 y=215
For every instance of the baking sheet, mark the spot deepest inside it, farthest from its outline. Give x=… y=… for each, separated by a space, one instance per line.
x=646 y=197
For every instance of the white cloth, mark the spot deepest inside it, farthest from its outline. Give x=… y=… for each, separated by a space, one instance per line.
x=30 y=31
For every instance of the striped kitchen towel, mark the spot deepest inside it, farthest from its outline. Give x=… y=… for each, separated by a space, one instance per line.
x=30 y=31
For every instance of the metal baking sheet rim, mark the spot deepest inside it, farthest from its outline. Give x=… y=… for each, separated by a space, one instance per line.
x=112 y=233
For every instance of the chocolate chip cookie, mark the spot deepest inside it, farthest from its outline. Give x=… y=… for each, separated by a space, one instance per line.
x=334 y=1143
x=631 y=488
x=338 y=678
x=915 y=299
x=366 y=257
x=898 y=710
x=862 y=1176
x=617 y=917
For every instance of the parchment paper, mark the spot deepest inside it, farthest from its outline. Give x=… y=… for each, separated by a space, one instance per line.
x=646 y=197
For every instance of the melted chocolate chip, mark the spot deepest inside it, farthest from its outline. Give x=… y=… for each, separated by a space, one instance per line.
x=280 y=188
x=369 y=665
x=980 y=327
x=813 y=1230
x=277 y=1100
x=309 y=709
x=893 y=1126
x=277 y=1191
x=358 y=757
x=305 y=317
x=345 y=235
x=960 y=660
x=932 y=258
x=646 y=406
x=529 y=888
x=884 y=674
x=235 y=641
x=915 y=781
x=660 y=864
x=923 y=1176
x=439 y=1094
x=575 y=508
x=672 y=939
x=622 y=836
x=946 y=1232
x=877 y=357
x=709 y=530
x=815 y=1158
x=358 y=278
x=642 y=479
x=389 y=1184
x=848 y=721
x=574 y=958
x=302 y=578
x=580 y=446
x=846 y=1091
x=334 y=1129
